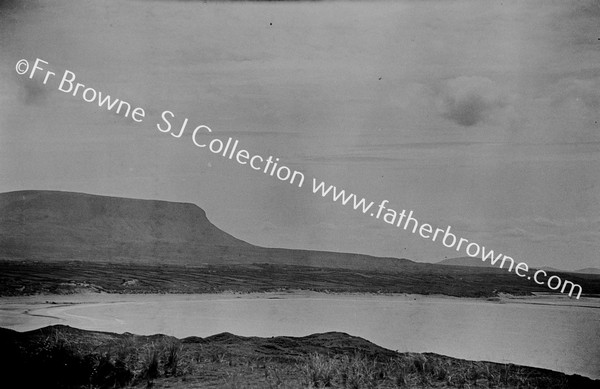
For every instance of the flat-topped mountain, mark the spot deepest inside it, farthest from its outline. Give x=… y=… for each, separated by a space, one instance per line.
x=62 y=242
x=66 y=226
x=76 y=218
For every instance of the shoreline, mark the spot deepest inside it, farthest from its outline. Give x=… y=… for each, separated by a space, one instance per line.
x=26 y=313
x=104 y=297
x=44 y=305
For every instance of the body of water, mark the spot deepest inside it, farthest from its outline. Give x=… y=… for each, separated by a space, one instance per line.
x=541 y=333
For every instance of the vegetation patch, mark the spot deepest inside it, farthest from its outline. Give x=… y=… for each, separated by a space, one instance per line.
x=65 y=357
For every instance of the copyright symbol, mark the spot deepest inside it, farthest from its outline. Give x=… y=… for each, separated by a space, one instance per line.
x=22 y=67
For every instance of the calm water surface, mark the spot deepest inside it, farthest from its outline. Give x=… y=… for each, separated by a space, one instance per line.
x=543 y=334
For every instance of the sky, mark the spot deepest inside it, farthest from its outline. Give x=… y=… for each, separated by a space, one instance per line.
x=481 y=115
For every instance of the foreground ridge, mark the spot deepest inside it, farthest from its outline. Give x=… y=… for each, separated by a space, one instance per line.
x=64 y=357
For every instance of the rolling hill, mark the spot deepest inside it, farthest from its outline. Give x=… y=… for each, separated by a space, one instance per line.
x=477 y=262
x=66 y=357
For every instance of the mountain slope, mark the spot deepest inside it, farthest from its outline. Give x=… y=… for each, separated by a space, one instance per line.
x=51 y=225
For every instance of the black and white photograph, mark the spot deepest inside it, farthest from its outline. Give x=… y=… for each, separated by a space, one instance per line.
x=299 y=194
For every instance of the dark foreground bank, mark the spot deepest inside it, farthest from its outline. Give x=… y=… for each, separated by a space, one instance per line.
x=65 y=357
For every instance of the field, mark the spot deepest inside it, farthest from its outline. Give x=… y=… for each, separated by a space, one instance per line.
x=28 y=278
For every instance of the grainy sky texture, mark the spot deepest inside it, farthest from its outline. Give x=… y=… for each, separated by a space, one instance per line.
x=482 y=115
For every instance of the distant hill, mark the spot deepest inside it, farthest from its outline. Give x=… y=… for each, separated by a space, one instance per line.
x=66 y=226
x=477 y=262
x=588 y=270
x=465 y=261
x=549 y=268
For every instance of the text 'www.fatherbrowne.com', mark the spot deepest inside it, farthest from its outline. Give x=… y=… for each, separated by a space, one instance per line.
x=448 y=239
x=232 y=149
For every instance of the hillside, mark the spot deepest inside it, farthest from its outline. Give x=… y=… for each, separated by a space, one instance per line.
x=66 y=226
x=65 y=357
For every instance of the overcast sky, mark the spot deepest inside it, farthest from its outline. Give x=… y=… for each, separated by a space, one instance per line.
x=482 y=115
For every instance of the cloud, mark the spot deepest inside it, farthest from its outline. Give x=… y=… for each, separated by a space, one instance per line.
x=468 y=101
x=578 y=94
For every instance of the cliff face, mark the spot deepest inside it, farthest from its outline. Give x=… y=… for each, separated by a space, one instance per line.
x=57 y=226
x=75 y=226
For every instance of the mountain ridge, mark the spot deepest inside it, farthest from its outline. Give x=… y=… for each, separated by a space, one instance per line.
x=56 y=225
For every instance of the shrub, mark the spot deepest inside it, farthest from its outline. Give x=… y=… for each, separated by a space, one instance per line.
x=151 y=360
x=172 y=360
x=319 y=370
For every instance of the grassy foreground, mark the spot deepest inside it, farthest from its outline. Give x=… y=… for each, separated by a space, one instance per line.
x=65 y=357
